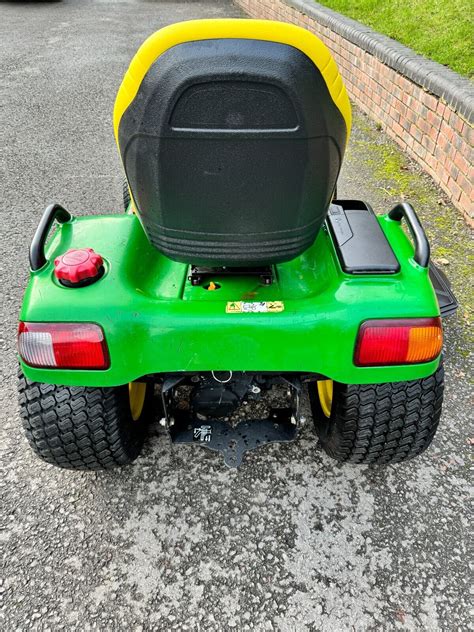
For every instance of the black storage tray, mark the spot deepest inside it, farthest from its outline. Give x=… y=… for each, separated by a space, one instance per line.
x=360 y=243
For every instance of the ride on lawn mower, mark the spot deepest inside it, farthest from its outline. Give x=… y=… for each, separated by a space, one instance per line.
x=235 y=275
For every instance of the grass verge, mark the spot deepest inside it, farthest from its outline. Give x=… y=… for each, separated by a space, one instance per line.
x=437 y=29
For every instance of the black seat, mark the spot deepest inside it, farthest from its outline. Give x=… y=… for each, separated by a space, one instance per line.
x=232 y=149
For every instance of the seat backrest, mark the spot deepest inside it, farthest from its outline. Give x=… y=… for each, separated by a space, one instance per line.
x=232 y=134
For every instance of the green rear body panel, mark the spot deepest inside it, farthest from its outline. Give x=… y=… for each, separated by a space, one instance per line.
x=155 y=321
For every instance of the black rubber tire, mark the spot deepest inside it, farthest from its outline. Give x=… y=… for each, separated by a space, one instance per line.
x=380 y=423
x=126 y=195
x=81 y=428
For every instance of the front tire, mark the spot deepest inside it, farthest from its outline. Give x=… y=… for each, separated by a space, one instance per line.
x=379 y=423
x=82 y=428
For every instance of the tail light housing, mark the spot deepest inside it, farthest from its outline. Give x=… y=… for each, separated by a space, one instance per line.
x=63 y=346
x=398 y=341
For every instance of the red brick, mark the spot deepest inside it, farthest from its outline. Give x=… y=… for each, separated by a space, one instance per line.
x=430 y=101
x=401 y=132
x=434 y=119
x=458 y=125
x=441 y=108
x=428 y=144
x=447 y=130
x=423 y=125
x=464 y=183
x=405 y=123
x=466 y=204
x=410 y=140
x=415 y=132
x=394 y=115
x=431 y=162
x=455 y=190
x=469 y=134
x=443 y=173
x=461 y=163
x=470 y=175
x=454 y=172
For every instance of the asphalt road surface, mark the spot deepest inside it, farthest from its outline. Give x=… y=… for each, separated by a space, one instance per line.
x=291 y=541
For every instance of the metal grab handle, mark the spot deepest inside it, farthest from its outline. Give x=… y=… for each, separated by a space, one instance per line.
x=422 y=245
x=54 y=212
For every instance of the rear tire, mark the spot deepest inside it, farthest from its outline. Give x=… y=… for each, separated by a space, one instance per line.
x=82 y=428
x=380 y=423
x=126 y=195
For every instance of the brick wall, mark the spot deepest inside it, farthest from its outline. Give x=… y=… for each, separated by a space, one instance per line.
x=425 y=107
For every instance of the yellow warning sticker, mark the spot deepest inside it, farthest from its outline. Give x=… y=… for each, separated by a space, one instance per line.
x=254 y=307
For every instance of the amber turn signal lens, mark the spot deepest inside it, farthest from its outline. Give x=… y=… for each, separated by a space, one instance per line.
x=398 y=341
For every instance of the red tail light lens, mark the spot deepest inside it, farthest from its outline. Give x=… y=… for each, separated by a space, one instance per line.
x=398 y=341
x=63 y=346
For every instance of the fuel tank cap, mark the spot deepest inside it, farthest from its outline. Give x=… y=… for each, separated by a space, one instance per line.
x=78 y=267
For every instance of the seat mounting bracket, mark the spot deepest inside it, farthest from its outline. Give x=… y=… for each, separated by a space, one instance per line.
x=199 y=274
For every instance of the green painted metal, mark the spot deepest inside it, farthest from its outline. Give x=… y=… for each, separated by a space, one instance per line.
x=155 y=321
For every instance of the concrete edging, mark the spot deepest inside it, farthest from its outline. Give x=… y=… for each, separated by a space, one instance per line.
x=427 y=108
x=455 y=90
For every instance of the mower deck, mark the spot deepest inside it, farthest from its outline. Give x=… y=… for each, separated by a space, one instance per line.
x=156 y=321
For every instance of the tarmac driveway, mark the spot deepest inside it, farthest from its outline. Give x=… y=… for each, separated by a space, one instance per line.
x=291 y=541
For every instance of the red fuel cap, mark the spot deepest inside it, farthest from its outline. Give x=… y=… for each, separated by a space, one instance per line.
x=78 y=267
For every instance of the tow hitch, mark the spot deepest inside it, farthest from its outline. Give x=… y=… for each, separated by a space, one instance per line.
x=205 y=410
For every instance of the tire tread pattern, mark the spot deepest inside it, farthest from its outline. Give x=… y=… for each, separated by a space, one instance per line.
x=126 y=195
x=382 y=423
x=79 y=427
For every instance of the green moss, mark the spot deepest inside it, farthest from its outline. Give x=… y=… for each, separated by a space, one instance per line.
x=442 y=252
x=390 y=166
x=395 y=177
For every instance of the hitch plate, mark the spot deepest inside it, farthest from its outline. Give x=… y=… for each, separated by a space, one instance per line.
x=234 y=441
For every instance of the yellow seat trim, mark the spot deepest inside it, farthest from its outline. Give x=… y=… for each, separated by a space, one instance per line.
x=266 y=30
